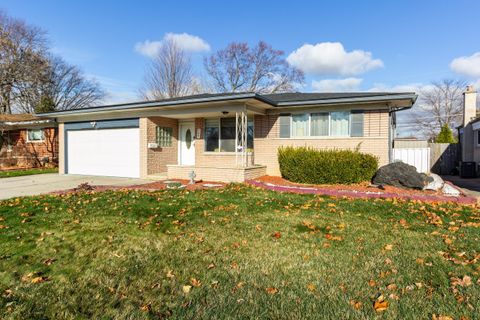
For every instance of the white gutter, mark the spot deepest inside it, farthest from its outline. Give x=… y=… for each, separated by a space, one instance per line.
x=411 y=96
x=26 y=123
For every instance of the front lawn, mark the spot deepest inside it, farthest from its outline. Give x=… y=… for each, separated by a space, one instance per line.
x=26 y=172
x=237 y=252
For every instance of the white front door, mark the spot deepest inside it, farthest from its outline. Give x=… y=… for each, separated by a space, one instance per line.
x=187 y=143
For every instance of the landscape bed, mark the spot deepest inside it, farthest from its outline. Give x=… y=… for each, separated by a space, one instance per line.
x=236 y=252
x=9 y=173
x=363 y=190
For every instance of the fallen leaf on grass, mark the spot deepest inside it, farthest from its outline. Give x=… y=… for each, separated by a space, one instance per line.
x=388 y=247
x=380 y=306
x=356 y=304
x=40 y=279
x=464 y=282
x=277 y=235
x=392 y=286
x=146 y=308
x=271 y=290
x=49 y=261
x=380 y=303
x=311 y=287
x=372 y=283
x=196 y=283
x=186 y=288
x=440 y=317
x=170 y=274
x=211 y=266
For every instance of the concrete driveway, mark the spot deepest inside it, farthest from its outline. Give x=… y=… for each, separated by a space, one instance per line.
x=49 y=182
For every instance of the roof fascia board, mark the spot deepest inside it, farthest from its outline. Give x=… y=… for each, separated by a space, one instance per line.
x=152 y=104
x=386 y=98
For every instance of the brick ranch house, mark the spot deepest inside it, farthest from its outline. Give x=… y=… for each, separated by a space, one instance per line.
x=27 y=141
x=222 y=137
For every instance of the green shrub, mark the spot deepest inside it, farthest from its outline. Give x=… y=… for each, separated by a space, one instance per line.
x=308 y=165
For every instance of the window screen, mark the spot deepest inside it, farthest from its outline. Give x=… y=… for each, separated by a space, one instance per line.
x=285 y=126
x=319 y=124
x=356 y=123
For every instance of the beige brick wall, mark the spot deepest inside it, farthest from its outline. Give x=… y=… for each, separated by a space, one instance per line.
x=267 y=141
x=157 y=159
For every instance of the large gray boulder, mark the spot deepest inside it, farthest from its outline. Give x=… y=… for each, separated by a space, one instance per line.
x=400 y=174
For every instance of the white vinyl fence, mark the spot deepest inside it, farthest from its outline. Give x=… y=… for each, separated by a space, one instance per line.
x=417 y=157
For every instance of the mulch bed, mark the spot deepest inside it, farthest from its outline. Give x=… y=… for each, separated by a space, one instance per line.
x=364 y=190
x=157 y=185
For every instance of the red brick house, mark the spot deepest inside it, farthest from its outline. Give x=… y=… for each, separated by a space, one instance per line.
x=27 y=141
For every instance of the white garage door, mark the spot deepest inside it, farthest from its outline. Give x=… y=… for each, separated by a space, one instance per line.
x=104 y=152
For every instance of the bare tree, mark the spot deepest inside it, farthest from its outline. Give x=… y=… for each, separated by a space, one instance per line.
x=438 y=105
x=22 y=59
x=239 y=68
x=169 y=74
x=65 y=88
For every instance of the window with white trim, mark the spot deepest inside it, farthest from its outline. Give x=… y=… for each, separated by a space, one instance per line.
x=35 y=135
x=322 y=124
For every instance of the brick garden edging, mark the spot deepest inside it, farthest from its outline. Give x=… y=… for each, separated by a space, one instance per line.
x=363 y=194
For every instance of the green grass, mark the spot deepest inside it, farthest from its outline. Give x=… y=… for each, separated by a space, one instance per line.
x=129 y=254
x=26 y=172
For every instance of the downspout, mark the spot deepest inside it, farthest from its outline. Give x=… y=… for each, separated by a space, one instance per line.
x=391 y=114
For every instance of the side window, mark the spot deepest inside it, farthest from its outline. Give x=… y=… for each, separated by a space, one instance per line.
x=284 y=125
x=35 y=135
x=164 y=136
x=356 y=123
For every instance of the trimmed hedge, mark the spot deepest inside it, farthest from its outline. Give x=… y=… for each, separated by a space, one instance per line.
x=313 y=166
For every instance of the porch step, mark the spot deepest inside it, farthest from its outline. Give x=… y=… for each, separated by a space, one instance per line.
x=157 y=176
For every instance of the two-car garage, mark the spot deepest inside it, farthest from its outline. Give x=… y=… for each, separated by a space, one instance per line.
x=103 y=148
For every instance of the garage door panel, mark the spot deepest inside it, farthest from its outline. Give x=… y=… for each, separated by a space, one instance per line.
x=106 y=152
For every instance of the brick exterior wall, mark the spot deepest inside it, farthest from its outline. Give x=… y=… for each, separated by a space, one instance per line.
x=267 y=141
x=215 y=166
x=16 y=151
x=214 y=173
x=157 y=159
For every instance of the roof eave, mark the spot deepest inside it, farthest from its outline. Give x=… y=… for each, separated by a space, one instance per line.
x=156 y=104
x=410 y=96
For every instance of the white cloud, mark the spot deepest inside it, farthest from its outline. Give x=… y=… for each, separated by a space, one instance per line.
x=336 y=85
x=330 y=58
x=468 y=66
x=148 y=48
x=185 y=41
x=188 y=42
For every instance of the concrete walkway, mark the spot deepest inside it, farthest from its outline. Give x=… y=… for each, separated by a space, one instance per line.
x=50 y=182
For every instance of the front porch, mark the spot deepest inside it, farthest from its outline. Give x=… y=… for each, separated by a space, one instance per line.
x=215 y=143
x=216 y=173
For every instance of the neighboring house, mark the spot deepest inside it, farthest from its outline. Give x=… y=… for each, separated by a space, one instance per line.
x=27 y=141
x=222 y=137
x=469 y=131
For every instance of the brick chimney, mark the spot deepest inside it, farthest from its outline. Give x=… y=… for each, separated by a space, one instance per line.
x=469 y=105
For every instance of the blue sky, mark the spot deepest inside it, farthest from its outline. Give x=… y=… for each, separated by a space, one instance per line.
x=399 y=44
